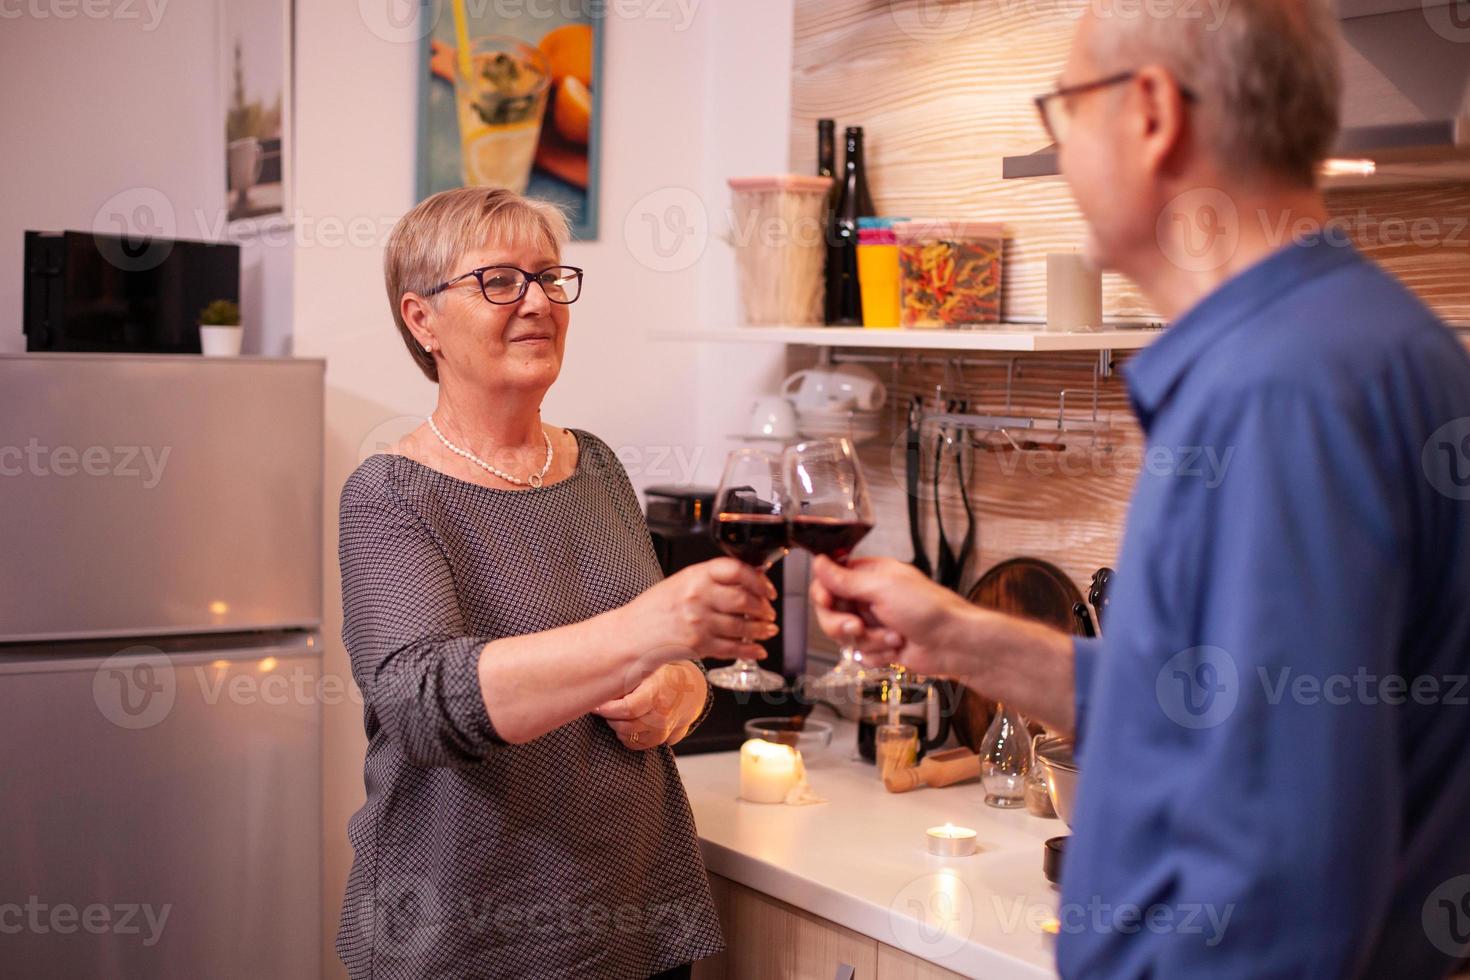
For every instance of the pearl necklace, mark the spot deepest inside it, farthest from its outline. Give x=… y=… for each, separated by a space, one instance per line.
x=533 y=481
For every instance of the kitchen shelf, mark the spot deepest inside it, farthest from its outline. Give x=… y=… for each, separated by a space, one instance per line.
x=1017 y=337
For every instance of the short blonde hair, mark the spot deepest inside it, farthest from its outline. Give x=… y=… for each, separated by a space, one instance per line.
x=428 y=241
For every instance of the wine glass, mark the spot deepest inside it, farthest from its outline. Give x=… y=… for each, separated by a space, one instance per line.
x=830 y=512
x=750 y=525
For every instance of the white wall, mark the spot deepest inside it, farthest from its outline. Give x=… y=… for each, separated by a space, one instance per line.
x=121 y=117
x=684 y=106
x=109 y=114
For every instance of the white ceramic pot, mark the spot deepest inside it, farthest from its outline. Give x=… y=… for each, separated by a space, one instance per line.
x=837 y=388
x=220 y=341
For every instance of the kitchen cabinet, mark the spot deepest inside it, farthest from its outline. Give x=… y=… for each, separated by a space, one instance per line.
x=766 y=939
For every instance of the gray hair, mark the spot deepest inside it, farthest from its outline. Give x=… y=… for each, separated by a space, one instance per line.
x=1266 y=73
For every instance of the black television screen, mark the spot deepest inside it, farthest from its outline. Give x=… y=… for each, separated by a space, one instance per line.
x=89 y=292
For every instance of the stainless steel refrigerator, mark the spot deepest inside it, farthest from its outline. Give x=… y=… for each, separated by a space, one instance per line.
x=160 y=655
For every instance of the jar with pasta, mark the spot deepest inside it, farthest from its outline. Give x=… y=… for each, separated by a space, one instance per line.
x=949 y=273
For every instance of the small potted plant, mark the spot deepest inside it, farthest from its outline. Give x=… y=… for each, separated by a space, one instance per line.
x=219 y=329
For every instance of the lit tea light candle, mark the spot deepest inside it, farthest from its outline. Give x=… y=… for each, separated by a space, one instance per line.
x=950 y=841
x=768 y=771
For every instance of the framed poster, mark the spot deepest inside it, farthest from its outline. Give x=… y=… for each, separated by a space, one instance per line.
x=256 y=61
x=512 y=99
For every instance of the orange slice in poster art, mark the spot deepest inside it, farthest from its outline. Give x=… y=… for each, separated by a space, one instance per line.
x=568 y=51
x=573 y=111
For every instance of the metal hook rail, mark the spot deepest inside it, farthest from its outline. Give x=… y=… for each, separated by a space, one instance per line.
x=1051 y=427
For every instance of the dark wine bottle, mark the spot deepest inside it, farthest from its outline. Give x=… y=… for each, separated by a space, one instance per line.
x=827 y=167
x=856 y=202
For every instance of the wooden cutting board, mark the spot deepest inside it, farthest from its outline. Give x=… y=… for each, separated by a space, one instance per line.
x=1027 y=587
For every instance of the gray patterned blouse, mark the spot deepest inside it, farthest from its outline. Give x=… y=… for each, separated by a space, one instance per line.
x=568 y=856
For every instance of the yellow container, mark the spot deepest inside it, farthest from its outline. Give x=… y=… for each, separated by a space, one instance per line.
x=878 y=278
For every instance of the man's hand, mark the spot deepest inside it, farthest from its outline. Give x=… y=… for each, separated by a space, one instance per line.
x=660 y=709
x=887 y=608
x=906 y=618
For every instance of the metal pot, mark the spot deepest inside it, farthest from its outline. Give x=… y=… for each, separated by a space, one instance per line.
x=1057 y=755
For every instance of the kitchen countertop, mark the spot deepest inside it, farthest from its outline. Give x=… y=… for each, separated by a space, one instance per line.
x=859 y=860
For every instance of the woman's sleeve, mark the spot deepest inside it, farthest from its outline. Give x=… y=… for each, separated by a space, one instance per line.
x=405 y=633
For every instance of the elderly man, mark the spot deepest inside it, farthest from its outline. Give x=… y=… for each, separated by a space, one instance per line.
x=1274 y=730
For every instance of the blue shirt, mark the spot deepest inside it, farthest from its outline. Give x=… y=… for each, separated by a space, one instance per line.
x=1275 y=726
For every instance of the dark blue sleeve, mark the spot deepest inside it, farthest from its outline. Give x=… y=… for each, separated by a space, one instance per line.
x=1287 y=786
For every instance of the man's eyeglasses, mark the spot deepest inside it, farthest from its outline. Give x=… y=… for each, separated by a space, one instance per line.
x=1056 y=114
x=505 y=284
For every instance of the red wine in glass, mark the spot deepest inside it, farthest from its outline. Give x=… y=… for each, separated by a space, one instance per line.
x=756 y=539
x=830 y=512
x=830 y=536
x=750 y=526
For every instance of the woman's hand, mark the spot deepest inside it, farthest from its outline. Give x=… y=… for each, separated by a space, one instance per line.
x=659 y=710
x=718 y=608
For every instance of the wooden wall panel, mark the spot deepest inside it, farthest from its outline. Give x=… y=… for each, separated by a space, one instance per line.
x=944 y=91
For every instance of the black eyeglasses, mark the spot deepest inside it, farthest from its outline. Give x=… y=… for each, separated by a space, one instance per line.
x=506 y=284
x=1054 y=113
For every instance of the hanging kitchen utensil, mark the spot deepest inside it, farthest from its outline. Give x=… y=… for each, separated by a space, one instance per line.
x=1027 y=587
x=945 y=572
x=1097 y=593
x=913 y=463
x=963 y=475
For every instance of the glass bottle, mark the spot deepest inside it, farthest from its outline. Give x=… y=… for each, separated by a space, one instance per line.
x=1005 y=759
x=856 y=202
x=827 y=167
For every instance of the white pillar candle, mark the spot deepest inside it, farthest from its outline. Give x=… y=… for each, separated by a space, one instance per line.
x=1073 y=293
x=768 y=771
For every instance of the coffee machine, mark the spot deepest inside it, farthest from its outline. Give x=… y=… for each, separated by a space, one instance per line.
x=679 y=522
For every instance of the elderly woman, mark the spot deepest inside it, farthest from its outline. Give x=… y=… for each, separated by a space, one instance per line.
x=523 y=666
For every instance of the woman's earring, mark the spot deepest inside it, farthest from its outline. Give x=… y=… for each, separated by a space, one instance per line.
x=428 y=348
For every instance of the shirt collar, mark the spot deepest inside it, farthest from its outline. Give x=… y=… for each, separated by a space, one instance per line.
x=1155 y=372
